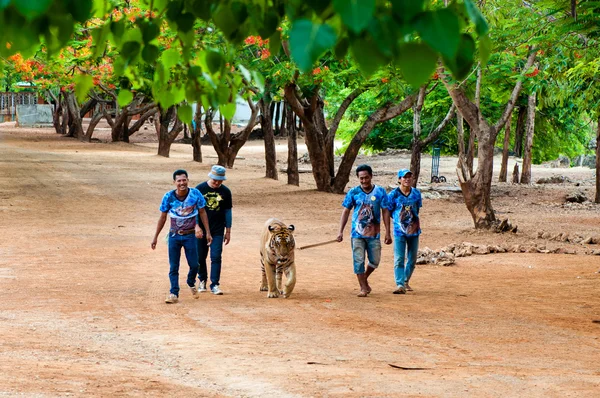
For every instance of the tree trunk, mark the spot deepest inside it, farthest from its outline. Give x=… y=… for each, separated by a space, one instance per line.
x=597 y=198
x=76 y=127
x=526 y=171
x=266 y=123
x=415 y=158
x=518 y=148
x=93 y=123
x=292 y=136
x=460 y=128
x=166 y=136
x=284 y=119
x=515 y=176
x=56 y=111
x=216 y=139
x=277 y=120
x=504 y=165
x=197 y=135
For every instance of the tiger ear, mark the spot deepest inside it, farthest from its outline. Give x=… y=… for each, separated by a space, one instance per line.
x=271 y=228
x=291 y=227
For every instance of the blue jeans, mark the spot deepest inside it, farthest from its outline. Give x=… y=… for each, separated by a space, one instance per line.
x=403 y=244
x=216 y=249
x=373 y=249
x=176 y=242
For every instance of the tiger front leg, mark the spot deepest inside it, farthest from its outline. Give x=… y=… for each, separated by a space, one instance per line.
x=279 y=278
x=271 y=282
x=290 y=280
x=263 y=284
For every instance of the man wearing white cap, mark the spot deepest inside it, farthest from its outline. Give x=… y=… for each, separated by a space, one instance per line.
x=218 y=209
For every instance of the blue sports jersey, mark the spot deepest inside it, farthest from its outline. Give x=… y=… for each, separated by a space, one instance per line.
x=405 y=212
x=366 y=219
x=183 y=212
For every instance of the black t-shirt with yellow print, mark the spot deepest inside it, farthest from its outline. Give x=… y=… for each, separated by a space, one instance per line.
x=217 y=202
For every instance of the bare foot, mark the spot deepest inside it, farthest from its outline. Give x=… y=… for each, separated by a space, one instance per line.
x=362 y=294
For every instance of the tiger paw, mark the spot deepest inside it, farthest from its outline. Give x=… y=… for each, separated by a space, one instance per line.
x=274 y=294
x=264 y=288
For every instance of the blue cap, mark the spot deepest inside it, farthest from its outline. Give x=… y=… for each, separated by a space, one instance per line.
x=403 y=173
x=217 y=173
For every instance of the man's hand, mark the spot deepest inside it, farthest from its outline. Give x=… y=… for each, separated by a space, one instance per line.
x=388 y=238
x=340 y=237
x=153 y=244
x=227 y=237
x=208 y=239
x=199 y=232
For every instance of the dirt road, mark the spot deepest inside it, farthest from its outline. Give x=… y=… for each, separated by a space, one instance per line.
x=82 y=308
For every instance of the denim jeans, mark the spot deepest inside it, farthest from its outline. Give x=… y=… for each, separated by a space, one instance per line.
x=216 y=249
x=373 y=249
x=176 y=242
x=403 y=244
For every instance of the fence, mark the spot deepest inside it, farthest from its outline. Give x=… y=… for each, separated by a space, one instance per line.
x=9 y=102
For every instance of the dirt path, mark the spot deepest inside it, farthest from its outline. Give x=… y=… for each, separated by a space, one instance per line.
x=82 y=293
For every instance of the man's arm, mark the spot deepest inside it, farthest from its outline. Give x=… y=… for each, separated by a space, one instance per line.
x=228 y=219
x=204 y=219
x=159 y=226
x=386 y=222
x=343 y=222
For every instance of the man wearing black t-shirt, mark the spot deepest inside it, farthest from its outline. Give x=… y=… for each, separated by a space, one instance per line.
x=218 y=210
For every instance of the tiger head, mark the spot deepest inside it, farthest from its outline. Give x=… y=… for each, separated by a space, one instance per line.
x=280 y=245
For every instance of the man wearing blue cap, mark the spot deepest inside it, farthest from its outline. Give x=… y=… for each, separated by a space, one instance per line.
x=405 y=202
x=369 y=201
x=185 y=206
x=218 y=210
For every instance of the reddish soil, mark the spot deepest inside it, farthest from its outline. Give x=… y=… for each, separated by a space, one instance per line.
x=82 y=293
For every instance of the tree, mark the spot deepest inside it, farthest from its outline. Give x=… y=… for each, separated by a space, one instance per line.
x=477 y=188
x=526 y=171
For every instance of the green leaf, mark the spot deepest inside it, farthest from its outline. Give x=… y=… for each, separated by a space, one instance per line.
x=367 y=55
x=170 y=58
x=461 y=65
x=4 y=4
x=440 y=29
x=407 y=9
x=485 y=49
x=245 y=73
x=225 y=20
x=318 y=5
x=269 y=25
x=418 y=62
x=185 y=113
x=481 y=26
x=83 y=85
x=99 y=8
x=356 y=14
x=150 y=31
x=223 y=94
x=130 y=50
x=259 y=80
x=308 y=41
x=32 y=8
x=185 y=21
x=214 y=61
x=227 y=110
x=117 y=29
x=124 y=98
x=81 y=10
x=150 y=53
x=341 y=48
x=275 y=43
x=200 y=8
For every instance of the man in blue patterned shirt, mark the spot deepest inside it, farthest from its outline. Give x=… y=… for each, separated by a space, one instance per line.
x=182 y=204
x=405 y=202
x=368 y=201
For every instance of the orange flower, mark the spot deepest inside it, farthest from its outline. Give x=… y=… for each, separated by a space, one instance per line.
x=385 y=80
x=316 y=71
x=534 y=73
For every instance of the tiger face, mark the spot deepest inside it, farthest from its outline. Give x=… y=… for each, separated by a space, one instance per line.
x=277 y=258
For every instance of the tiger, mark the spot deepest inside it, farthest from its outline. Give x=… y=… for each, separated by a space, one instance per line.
x=277 y=257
